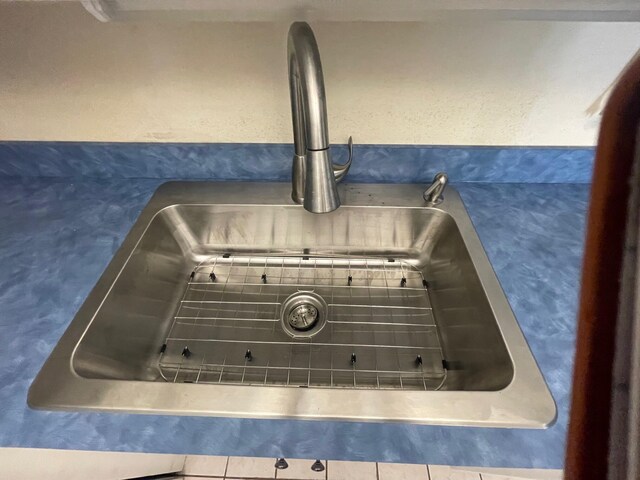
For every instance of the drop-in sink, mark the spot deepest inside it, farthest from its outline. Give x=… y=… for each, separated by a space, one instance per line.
x=226 y=299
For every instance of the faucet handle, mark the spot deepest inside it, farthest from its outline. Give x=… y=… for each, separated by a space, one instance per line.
x=339 y=171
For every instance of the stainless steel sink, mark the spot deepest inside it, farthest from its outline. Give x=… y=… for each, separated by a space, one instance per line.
x=226 y=299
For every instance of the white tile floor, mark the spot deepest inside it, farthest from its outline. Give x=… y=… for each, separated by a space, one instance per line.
x=206 y=465
x=401 y=471
x=247 y=467
x=244 y=468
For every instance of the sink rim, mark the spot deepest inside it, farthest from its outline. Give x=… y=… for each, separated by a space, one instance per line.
x=525 y=403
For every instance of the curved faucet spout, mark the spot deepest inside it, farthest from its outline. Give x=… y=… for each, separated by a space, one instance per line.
x=306 y=87
x=313 y=175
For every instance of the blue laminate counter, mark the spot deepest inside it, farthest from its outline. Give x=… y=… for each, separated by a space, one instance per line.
x=57 y=236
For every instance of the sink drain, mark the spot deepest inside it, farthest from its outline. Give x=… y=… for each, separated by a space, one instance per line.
x=303 y=317
x=303 y=314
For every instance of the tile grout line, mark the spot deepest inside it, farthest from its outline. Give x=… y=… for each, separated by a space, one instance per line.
x=428 y=472
x=377 y=472
x=226 y=467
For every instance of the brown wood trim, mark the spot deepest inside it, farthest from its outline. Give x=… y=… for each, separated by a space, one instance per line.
x=588 y=437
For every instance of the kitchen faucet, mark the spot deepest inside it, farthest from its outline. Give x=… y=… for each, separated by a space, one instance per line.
x=314 y=176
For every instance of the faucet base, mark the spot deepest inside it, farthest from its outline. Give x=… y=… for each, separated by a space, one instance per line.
x=298 y=179
x=320 y=189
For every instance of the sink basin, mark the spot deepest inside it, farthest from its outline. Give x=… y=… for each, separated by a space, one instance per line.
x=226 y=299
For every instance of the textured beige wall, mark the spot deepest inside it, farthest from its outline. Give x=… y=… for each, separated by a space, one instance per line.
x=65 y=76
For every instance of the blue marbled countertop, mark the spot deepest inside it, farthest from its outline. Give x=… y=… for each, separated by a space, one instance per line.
x=57 y=236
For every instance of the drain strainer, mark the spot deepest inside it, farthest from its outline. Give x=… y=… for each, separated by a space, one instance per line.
x=303 y=317
x=303 y=314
